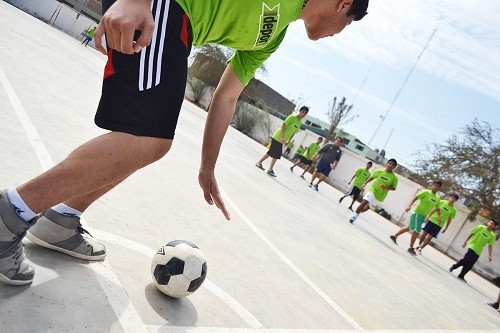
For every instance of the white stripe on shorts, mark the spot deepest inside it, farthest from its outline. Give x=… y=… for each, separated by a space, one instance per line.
x=155 y=48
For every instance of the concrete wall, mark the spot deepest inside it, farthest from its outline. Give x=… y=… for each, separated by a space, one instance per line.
x=57 y=15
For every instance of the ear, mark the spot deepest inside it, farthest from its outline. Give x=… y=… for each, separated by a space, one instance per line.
x=344 y=5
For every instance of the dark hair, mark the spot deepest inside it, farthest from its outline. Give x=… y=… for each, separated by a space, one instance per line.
x=358 y=9
x=339 y=138
x=304 y=108
x=455 y=196
x=370 y=162
x=494 y=221
x=393 y=160
x=438 y=182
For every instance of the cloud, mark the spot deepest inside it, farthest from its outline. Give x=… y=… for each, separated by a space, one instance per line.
x=465 y=49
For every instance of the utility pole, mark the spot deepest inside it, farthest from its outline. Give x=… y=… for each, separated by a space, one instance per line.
x=382 y=118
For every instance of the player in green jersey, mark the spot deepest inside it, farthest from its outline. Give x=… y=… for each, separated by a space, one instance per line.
x=142 y=93
x=479 y=237
x=306 y=159
x=428 y=200
x=385 y=181
x=360 y=176
x=281 y=136
x=434 y=224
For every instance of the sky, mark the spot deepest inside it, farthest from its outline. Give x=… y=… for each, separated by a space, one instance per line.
x=456 y=79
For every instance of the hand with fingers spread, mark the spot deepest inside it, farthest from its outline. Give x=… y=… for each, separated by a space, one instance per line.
x=208 y=184
x=119 y=24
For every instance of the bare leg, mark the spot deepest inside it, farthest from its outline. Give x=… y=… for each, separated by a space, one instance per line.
x=265 y=157
x=99 y=163
x=426 y=241
x=363 y=207
x=273 y=162
x=401 y=231
x=414 y=236
x=321 y=178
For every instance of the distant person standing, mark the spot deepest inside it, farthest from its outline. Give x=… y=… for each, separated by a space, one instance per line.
x=330 y=157
x=282 y=136
x=479 y=237
x=89 y=36
x=289 y=147
x=428 y=200
x=299 y=152
x=360 y=176
x=305 y=160
x=385 y=181
x=433 y=225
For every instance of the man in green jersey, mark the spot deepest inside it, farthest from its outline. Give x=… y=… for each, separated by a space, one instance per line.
x=282 y=136
x=479 y=237
x=385 y=181
x=434 y=224
x=305 y=160
x=148 y=45
x=428 y=200
x=360 y=176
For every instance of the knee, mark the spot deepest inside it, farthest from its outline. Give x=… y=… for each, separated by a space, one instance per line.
x=158 y=148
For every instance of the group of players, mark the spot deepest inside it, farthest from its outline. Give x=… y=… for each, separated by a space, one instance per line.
x=432 y=210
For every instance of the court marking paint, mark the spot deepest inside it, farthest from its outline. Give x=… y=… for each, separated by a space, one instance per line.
x=126 y=313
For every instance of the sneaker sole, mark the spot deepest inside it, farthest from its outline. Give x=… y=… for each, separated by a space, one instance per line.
x=6 y=280
x=40 y=242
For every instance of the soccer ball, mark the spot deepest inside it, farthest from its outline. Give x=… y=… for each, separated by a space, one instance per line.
x=179 y=268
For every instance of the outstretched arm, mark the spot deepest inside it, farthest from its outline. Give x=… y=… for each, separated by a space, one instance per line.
x=219 y=115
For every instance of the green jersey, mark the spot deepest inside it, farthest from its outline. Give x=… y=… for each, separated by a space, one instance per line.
x=300 y=150
x=313 y=149
x=447 y=212
x=480 y=237
x=292 y=125
x=428 y=201
x=382 y=177
x=360 y=177
x=253 y=28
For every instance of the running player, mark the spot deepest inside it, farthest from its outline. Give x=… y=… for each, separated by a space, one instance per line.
x=360 y=176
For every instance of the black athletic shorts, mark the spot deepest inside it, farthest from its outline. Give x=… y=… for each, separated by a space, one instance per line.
x=275 y=149
x=305 y=160
x=355 y=192
x=142 y=93
x=432 y=229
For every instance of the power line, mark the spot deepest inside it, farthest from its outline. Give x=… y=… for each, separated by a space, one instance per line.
x=382 y=118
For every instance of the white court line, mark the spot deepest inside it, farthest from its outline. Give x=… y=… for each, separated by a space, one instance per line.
x=209 y=285
x=126 y=313
x=301 y=274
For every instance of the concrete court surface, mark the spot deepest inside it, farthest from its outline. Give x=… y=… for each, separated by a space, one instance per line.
x=288 y=261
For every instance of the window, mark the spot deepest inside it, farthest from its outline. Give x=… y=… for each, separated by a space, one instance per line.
x=360 y=148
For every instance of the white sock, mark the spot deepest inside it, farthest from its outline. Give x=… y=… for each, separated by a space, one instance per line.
x=66 y=210
x=19 y=205
x=355 y=215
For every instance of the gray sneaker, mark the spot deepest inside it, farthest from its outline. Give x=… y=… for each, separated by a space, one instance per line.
x=65 y=234
x=15 y=269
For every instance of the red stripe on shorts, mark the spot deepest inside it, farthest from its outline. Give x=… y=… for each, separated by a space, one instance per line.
x=109 y=69
x=184 y=30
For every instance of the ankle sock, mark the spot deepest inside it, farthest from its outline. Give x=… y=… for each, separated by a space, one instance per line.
x=19 y=205
x=66 y=210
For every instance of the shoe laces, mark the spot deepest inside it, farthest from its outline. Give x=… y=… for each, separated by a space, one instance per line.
x=82 y=230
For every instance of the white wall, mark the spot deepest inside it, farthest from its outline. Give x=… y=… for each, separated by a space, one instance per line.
x=57 y=15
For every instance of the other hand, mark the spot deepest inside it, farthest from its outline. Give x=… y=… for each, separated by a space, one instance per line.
x=211 y=191
x=119 y=24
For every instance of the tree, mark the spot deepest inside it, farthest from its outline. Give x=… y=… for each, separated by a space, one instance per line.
x=338 y=115
x=245 y=119
x=468 y=164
